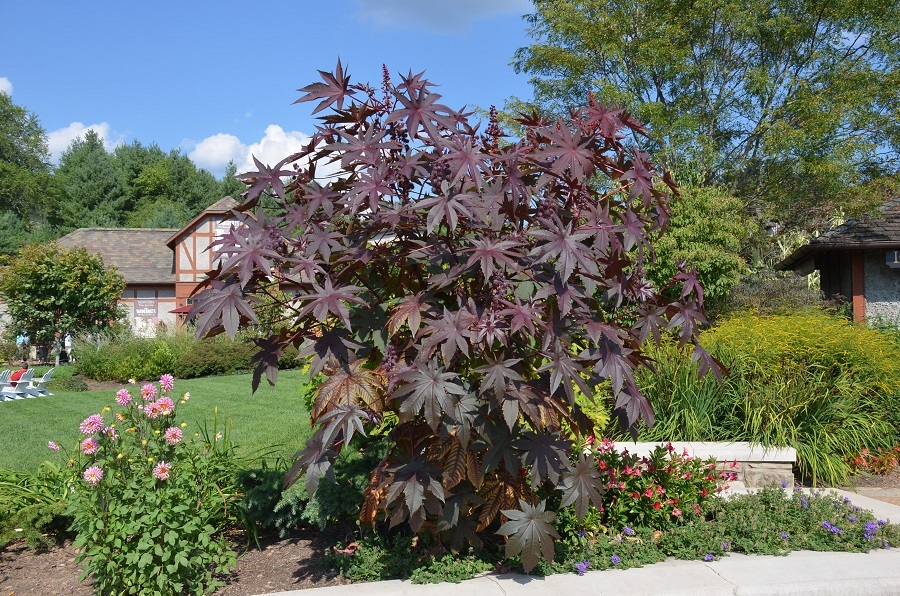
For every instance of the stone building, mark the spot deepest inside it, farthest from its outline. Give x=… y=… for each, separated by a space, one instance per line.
x=858 y=261
x=161 y=266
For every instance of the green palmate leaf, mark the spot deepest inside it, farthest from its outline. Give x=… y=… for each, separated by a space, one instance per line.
x=530 y=533
x=582 y=486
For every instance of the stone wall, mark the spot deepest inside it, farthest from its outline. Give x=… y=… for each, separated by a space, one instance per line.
x=754 y=465
x=882 y=289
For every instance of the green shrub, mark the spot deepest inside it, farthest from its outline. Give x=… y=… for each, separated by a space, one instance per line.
x=33 y=505
x=73 y=384
x=808 y=380
x=123 y=358
x=771 y=292
x=215 y=356
x=151 y=507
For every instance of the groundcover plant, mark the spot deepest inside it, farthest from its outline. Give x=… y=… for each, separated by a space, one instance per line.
x=461 y=288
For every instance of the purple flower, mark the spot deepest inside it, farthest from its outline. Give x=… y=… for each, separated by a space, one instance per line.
x=783 y=484
x=581 y=533
x=581 y=568
x=628 y=531
x=726 y=546
x=52 y=446
x=615 y=560
x=708 y=557
x=881 y=523
x=832 y=528
x=785 y=536
x=804 y=503
x=884 y=544
x=851 y=519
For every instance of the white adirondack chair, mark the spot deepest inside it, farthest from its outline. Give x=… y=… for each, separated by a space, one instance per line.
x=4 y=382
x=20 y=390
x=38 y=388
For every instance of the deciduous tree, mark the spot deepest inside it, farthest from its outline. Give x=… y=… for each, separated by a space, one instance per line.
x=52 y=291
x=789 y=103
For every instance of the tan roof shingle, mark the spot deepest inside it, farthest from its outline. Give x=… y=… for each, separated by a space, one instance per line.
x=140 y=254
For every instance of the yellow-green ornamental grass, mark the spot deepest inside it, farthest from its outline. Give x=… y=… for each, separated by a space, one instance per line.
x=810 y=380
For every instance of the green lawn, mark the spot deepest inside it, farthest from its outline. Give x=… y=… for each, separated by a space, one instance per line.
x=271 y=423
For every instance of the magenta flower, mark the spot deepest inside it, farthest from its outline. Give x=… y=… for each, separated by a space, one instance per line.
x=173 y=435
x=110 y=431
x=148 y=392
x=166 y=406
x=93 y=474
x=161 y=470
x=92 y=424
x=90 y=446
x=167 y=382
x=123 y=397
x=52 y=446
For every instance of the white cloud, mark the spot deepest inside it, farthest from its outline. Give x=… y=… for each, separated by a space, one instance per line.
x=59 y=140
x=439 y=15
x=214 y=152
x=6 y=86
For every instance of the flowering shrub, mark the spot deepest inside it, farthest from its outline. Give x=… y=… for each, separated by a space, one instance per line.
x=882 y=461
x=650 y=492
x=149 y=505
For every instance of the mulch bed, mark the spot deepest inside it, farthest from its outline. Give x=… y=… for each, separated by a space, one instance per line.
x=292 y=563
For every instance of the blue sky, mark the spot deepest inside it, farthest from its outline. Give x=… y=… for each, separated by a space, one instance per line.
x=217 y=79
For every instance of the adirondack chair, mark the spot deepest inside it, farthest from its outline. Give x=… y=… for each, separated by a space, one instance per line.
x=21 y=388
x=4 y=382
x=38 y=388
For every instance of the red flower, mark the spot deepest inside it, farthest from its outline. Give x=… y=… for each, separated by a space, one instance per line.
x=635 y=495
x=657 y=505
x=649 y=492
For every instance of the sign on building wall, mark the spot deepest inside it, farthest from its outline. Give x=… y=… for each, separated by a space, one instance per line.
x=145 y=308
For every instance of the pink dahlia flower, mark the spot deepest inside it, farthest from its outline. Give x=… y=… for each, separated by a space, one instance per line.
x=92 y=424
x=123 y=397
x=93 y=474
x=161 y=470
x=90 y=446
x=167 y=382
x=166 y=406
x=173 y=435
x=148 y=392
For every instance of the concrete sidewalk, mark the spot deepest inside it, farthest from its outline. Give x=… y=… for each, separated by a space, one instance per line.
x=800 y=573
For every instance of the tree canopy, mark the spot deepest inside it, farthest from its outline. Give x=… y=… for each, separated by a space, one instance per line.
x=24 y=161
x=790 y=104
x=50 y=290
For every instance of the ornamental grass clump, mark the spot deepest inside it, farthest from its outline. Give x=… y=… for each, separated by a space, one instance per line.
x=465 y=284
x=151 y=505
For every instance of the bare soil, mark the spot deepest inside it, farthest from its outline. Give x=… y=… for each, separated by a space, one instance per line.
x=292 y=563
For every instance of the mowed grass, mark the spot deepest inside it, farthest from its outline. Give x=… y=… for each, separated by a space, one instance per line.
x=270 y=424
